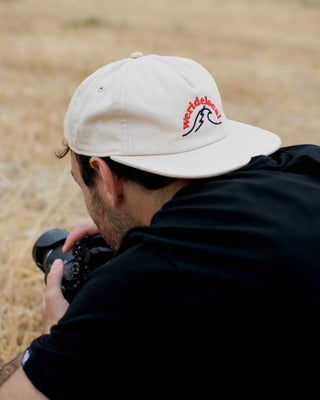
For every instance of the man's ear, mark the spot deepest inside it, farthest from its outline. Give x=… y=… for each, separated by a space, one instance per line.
x=110 y=184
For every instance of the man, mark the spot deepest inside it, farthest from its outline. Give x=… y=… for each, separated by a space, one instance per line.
x=216 y=237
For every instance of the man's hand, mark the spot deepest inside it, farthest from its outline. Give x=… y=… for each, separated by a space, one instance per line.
x=85 y=227
x=14 y=383
x=54 y=304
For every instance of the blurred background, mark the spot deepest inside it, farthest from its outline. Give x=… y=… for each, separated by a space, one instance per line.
x=264 y=56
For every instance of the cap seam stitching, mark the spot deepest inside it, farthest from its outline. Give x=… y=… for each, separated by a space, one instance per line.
x=120 y=82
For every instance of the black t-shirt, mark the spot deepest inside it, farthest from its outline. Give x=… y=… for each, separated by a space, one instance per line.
x=227 y=271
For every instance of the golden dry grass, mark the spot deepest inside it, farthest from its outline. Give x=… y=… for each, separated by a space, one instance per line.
x=264 y=55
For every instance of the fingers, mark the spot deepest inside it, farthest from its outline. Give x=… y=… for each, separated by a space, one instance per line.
x=85 y=227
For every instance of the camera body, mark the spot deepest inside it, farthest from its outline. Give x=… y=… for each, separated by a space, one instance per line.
x=87 y=255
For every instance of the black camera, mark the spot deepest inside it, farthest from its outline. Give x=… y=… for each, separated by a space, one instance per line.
x=87 y=255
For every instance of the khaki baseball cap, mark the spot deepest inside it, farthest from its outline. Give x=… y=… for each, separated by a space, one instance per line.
x=163 y=115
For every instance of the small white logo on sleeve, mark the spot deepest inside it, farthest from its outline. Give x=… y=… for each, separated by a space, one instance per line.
x=25 y=357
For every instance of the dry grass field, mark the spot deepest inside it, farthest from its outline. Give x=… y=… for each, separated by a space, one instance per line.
x=264 y=55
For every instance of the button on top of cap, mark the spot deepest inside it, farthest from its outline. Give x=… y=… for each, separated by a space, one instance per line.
x=137 y=54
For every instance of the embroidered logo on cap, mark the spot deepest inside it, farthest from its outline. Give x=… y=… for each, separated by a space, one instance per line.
x=202 y=116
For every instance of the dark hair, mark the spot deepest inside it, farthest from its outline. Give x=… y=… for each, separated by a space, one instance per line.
x=146 y=179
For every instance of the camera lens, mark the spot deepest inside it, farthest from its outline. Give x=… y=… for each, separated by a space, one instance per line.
x=48 y=248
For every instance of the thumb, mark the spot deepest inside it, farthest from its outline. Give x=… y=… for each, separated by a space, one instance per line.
x=54 y=304
x=55 y=276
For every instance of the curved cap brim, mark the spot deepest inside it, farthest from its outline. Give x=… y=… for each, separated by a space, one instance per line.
x=230 y=153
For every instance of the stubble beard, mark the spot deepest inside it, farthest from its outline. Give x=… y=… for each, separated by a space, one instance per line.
x=112 y=223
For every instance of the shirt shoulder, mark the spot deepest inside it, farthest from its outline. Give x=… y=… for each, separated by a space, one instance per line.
x=304 y=159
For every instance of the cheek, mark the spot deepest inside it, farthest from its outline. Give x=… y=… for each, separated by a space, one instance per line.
x=94 y=205
x=88 y=200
